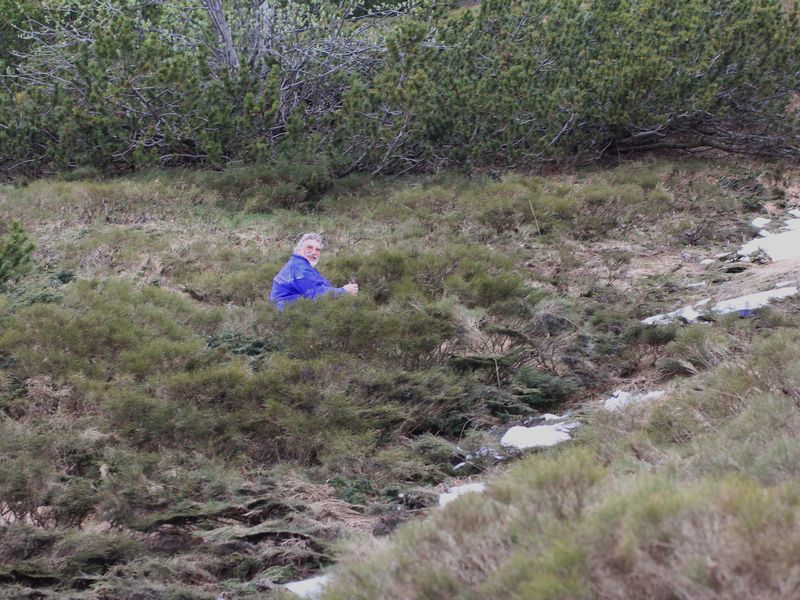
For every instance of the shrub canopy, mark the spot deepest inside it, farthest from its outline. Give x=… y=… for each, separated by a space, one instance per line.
x=390 y=89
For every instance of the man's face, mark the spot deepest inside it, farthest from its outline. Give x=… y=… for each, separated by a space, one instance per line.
x=311 y=251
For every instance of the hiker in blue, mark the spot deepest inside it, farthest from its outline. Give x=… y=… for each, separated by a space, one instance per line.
x=299 y=277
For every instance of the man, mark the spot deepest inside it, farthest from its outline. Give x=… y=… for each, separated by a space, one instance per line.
x=300 y=279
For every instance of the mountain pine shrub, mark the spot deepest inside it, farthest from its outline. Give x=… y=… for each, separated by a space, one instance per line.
x=15 y=253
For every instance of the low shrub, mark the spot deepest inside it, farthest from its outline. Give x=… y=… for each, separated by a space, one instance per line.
x=537 y=388
x=412 y=336
x=86 y=553
x=433 y=400
x=15 y=253
x=477 y=275
x=263 y=187
x=760 y=442
x=72 y=500
x=697 y=348
x=228 y=385
x=103 y=329
x=21 y=541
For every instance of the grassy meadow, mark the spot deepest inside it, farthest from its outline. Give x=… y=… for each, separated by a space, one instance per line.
x=166 y=433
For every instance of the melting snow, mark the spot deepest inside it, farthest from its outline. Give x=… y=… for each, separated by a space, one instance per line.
x=309 y=588
x=687 y=313
x=778 y=246
x=752 y=301
x=792 y=223
x=541 y=436
x=759 y=222
x=795 y=212
x=621 y=399
x=748 y=302
x=459 y=490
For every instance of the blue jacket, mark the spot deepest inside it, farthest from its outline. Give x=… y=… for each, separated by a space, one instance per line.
x=298 y=279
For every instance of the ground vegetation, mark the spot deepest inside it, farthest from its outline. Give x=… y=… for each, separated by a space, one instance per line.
x=166 y=431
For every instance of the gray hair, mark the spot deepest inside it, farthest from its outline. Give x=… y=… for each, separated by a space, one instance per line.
x=298 y=247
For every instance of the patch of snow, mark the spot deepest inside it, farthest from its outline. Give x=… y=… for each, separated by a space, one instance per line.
x=752 y=301
x=541 y=436
x=759 y=223
x=687 y=313
x=748 y=302
x=620 y=399
x=459 y=490
x=764 y=233
x=309 y=588
x=779 y=246
x=697 y=284
x=549 y=417
x=792 y=223
x=795 y=212
x=707 y=261
x=723 y=255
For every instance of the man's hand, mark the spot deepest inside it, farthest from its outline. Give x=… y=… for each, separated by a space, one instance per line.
x=351 y=288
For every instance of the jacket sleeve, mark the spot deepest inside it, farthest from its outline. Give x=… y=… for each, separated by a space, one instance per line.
x=310 y=286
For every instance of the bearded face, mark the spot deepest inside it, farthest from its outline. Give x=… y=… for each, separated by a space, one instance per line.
x=311 y=251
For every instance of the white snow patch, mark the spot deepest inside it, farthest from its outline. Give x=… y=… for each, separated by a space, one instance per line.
x=752 y=301
x=541 y=436
x=459 y=490
x=759 y=223
x=697 y=284
x=748 y=302
x=620 y=399
x=795 y=212
x=792 y=223
x=687 y=312
x=309 y=588
x=764 y=233
x=779 y=246
x=707 y=261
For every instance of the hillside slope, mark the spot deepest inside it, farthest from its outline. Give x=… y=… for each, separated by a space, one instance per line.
x=168 y=433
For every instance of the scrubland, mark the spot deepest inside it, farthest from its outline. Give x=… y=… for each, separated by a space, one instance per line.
x=166 y=433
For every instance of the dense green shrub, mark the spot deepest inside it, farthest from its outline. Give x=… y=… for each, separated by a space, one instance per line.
x=507 y=82
x=15 y=253
x=477 y=275
x=104 y=328
x=264 y=187
x=538 y=79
